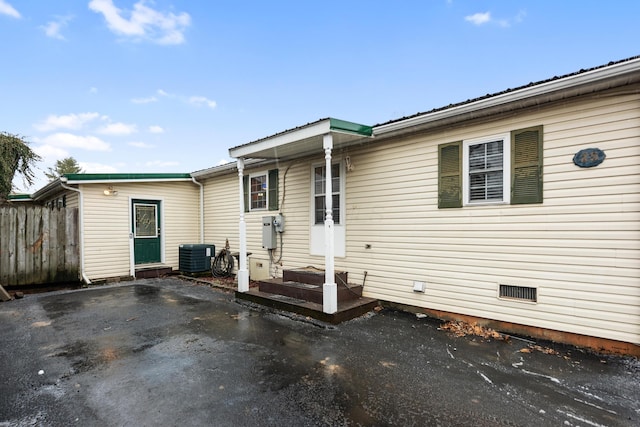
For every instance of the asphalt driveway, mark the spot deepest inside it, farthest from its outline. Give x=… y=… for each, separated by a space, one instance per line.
x=171 y=352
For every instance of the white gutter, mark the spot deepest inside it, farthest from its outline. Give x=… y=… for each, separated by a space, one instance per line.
x=201 y=209
x=231 y=167
x=80 y=226
x=558 y=87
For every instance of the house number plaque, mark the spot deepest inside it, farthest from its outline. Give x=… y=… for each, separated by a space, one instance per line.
x=589 y=157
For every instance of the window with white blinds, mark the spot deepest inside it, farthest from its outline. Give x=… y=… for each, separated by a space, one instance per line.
x=486 y=164
x=486 y=170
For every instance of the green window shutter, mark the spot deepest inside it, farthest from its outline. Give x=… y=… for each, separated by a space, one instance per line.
x=273 y=189
x=450 y=175
x=526 y=166
x=245 y=185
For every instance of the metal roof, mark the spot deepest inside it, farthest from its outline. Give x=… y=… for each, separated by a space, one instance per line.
x=307 y=139
x=57 y=185
x=584 y=81
x=303 y=140
x=75 y=178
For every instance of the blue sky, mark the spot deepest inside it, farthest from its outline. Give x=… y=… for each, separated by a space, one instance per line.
x=171 y=85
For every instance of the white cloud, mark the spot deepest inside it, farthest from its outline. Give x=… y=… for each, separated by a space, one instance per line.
x=93 y=90
x=97 y=168
x=485 y=18
x=223 y=162
x=144 y=100
x=144 y=23
x=115 y=22
x=141 y=144
x=53 y=28
x=152 y=98
x=68 y=140
x=7 y=9
x=198 y=101
x=160 y=164
x=118 y=129
x=50 y=153
x=520 y=16
x=478 y=18
x=69 y=121
x=156 y=129
x=202 y=101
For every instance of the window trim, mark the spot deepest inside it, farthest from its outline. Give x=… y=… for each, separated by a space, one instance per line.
x=312 y=210
x=506 y=169
x=135 y=221
x=265 y=174
x=317 y=232
x=273 y=190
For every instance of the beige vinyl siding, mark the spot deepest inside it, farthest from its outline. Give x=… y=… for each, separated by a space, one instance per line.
x=107 y=223
x=222 y=216
x=221 y=211
x=298 y=216
x=580 y=248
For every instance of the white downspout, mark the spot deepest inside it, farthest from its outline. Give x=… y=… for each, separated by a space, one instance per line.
x=330 y=288
x=80 y=226
x=243 y=273
x=132 y=250
x=201 y=209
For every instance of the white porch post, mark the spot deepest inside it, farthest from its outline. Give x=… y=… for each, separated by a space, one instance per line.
x=243 y=273
x=330 y=288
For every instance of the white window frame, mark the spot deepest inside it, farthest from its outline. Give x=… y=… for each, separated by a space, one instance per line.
x=328 y=186
x=506 y=169
x=317 y=238
x=135 y=222
x=265 y=174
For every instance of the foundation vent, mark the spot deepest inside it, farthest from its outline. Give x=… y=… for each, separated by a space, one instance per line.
x=520 y=293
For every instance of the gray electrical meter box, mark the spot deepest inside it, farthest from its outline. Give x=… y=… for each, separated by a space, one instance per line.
x=268 y=232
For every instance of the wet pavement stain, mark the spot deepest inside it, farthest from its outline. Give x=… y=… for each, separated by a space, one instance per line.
x=165 y=352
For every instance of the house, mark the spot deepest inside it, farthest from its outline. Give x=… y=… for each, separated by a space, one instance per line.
x=519 y=210
x=129 y=222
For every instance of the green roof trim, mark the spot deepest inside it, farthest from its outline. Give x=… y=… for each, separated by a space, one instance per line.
x=125 y=176
x=19 y=197
x=345 y=126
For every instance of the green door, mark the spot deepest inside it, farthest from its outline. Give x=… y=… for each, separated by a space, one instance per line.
x=145 y=224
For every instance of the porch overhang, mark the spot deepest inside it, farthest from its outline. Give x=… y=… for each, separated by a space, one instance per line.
x=304 y=140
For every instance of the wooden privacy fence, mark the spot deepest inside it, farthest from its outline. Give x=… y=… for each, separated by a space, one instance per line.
x=38 y=245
